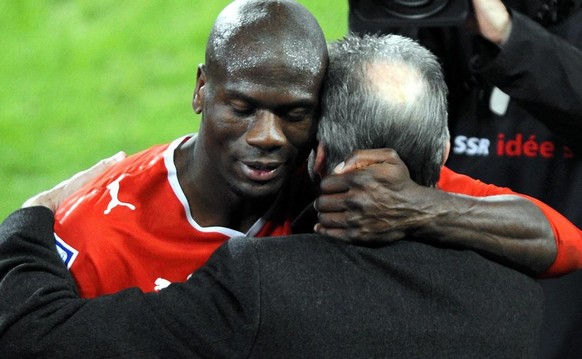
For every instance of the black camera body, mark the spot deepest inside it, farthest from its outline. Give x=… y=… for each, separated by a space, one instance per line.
x=376 y=15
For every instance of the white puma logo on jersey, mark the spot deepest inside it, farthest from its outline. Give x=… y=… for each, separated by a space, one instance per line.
x=114 y=192
x=161 y=283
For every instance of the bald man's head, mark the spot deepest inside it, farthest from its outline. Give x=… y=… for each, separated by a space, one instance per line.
x=266 y=33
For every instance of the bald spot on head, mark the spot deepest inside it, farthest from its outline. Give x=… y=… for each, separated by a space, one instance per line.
x=266 y=33
x=396 y=82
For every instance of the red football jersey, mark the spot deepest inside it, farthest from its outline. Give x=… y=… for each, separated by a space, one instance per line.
x=132 y=226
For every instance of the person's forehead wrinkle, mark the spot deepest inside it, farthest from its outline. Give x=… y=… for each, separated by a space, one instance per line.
x=396 y=82
x=253 y=92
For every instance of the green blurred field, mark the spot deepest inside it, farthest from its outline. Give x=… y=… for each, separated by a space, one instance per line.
x=82 y=79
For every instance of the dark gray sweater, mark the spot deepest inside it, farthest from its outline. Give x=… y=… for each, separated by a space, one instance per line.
x=301 y=296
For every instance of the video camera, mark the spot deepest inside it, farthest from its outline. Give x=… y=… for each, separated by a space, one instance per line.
x=378 y=15
x=375 y=15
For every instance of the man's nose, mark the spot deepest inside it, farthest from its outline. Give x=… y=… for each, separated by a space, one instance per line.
x=265 y=131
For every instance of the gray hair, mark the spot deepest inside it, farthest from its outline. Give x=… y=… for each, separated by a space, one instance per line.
x=385 y=92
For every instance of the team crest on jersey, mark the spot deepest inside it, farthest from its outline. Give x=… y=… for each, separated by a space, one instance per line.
x=68 y=254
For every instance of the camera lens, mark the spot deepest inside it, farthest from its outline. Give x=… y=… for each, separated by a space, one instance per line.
x=383 y=15
x=413 y=9
x=411 y=3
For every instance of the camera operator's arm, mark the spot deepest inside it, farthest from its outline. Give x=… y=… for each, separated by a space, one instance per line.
x=492 y=20
x=534 y=66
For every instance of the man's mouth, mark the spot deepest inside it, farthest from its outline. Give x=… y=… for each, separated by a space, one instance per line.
x=260 y=170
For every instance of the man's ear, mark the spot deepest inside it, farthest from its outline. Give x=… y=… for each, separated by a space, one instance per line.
x=446 y=152
x=198 y=98
x=319 y=164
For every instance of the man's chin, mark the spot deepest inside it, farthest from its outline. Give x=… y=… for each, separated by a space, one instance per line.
x=258 y=191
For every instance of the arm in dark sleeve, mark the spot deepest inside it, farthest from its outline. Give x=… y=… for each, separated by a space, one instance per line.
x=543 y=72
x=213 y=315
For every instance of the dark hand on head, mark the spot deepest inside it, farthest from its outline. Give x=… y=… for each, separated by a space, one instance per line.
x=371 y=199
